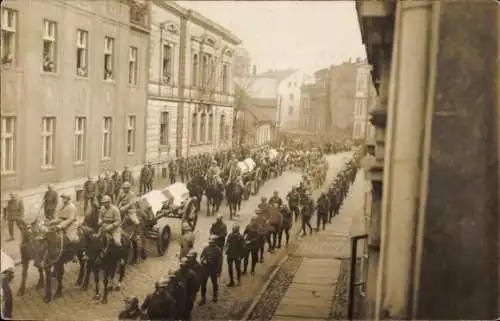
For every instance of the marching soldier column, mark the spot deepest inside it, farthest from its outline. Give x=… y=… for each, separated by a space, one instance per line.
x=263 y=228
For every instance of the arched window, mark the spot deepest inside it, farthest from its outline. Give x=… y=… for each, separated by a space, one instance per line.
x=204 y=71
x=222 y=127
x=210 y=128
x=194 y=129
x=194 y=71
x=203 y=128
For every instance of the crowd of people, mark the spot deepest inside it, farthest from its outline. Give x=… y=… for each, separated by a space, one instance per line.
x=174 y=297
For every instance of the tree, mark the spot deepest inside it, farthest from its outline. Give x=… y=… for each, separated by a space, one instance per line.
x=243 y=86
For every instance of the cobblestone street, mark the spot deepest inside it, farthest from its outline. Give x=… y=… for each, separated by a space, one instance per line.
x=139 y=279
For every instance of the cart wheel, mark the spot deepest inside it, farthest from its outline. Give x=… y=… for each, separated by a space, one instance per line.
x=163 y=241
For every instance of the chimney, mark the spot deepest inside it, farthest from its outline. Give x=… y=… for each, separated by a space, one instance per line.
x=254 y=70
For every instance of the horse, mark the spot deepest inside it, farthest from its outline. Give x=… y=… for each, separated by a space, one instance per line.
x=234 y=195
x=214 y=192
x=27 y=249
x=53 y=250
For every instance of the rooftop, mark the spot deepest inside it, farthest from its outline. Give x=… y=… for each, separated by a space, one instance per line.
x=277 y=74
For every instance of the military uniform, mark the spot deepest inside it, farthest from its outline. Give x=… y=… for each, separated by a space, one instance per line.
x=110 y=220
x=101 y=188
x=190 y=281
x=211 y=261
x=286 y=225
x=234 y=253
x=322 y=211
x=67 y=217
x=306 y=213
x=125 y=200
x=252 y=240
x=89 y=192
x=172 y=171
x=50 y=201
x=14 y=213
x=293 y=202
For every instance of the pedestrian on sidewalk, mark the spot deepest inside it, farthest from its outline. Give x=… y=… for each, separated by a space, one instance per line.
x=7 y=274
x=306 y=212
x=14 y=213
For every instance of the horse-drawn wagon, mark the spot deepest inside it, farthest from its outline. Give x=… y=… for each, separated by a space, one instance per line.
x=250 y=177
x=167 y=219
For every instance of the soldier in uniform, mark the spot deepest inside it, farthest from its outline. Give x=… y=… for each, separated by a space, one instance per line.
x=293 y=202
x=306 y=213
x=110 y=221
x=143 y=179
x=322 y=211
x=126 y=175
x=66 y=219
x=194 y=265
x=191 y=287
x=214 y=172
x=50 y=201
x=172 y=171
x=211 y=260
x=101 y=188
x=14 y=213
x=131 y=311
x=219 y=229
x=187 y=240
x=89 y=192
x=234 y=253
x=286 y=225
x=126 y=198
x=151 y=176
x=252 y=240
x=117 y=184
x=276 y=199
x=182 y=169
x=110 y=186
x=332 y=196
x=161 y=304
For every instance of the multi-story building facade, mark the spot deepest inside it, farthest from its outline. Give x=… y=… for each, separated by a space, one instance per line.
x=433 y=224
x=364 y=102
x=289 y=87
x=73 y=92
x=191 y=91
x=241 y=63
x=313 y=108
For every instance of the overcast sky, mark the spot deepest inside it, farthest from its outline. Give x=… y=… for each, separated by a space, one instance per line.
x=289 y=34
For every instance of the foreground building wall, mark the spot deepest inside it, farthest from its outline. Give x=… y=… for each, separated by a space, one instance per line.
x=73 y=103
x=434 y=224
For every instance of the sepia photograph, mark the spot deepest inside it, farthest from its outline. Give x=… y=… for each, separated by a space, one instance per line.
x=250 y=160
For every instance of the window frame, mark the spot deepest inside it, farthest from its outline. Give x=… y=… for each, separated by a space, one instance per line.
x=167 y=70
x=12 y=31
x=106 y=144
x=195 y=66
x=4 y=137
x=48 y=136
x=210 y=128
x=50 y=65
x=82 y=49
x=133 y=64
x=109 y=58
x=80 y=132
x=164 y=129
x=131 y=134
x=194 y=129
x=203 y=128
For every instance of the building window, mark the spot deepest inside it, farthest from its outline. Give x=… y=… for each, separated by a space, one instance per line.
x=212 y=69
x=9 y=39
x=132 y=65
x=107 y=130
x=210 y=128
x=82 y=42
x=361 y=85
x=49 y=45
x=8 y=144
x=80 y=126
x=222 y=128
x=194 y=129
x=131 y=134
x=203 y=128
x=290 y=111
x=164 y=128
x=109 y=44
x=48 y=141
x=291 y=96
x=225 y=79
x=167 y=63
x=194 y=72
x=204 y=71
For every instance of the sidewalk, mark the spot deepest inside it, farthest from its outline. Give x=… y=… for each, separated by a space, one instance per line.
x=310 y=295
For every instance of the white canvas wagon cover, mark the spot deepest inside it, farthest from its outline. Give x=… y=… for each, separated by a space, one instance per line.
x=155 y=199
x=243 y=167
x=273 y=153
x=250 y=164
x=177 y=193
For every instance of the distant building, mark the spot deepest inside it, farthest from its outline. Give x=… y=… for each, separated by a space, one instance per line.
x=73 y=93
x=190 y=109
x=364 y=103
x=327 y=103
x=241 y=63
